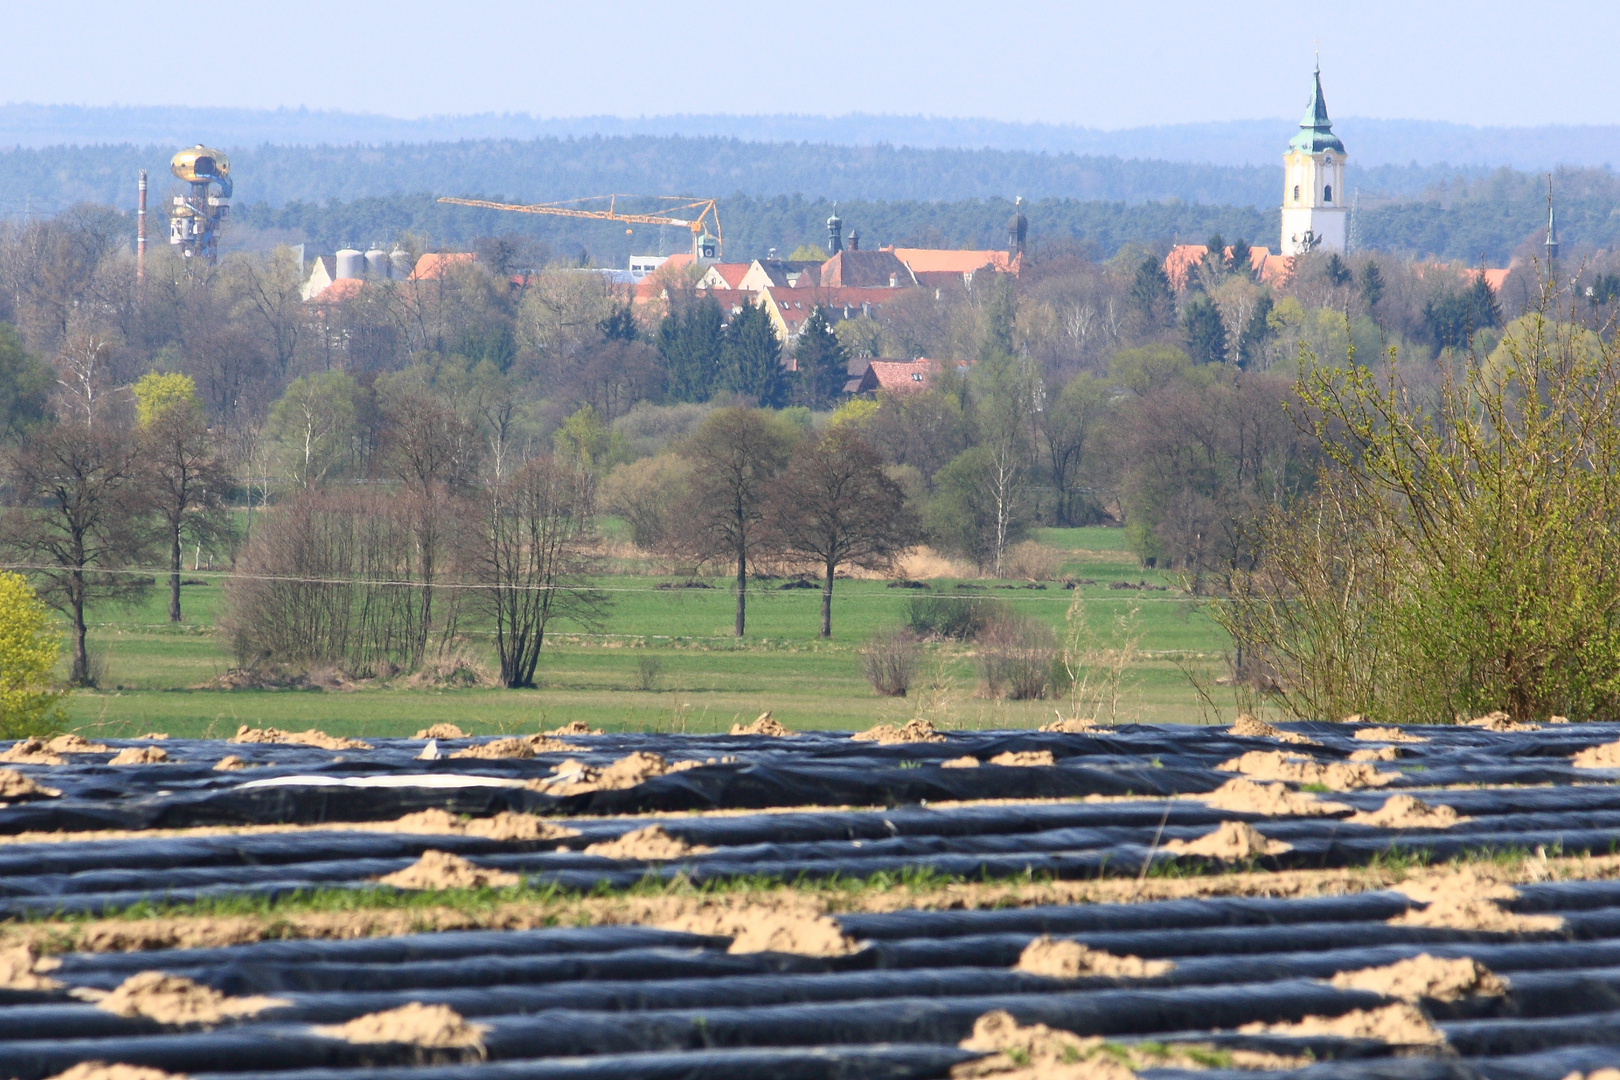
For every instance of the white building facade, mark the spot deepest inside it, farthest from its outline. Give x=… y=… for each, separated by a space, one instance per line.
x=1315 y=210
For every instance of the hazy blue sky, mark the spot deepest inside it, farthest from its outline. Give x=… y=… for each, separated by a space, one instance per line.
x=1110 y=65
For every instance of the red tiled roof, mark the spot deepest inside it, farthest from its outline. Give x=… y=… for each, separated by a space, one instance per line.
x=1179 y=264
x=435 y=263
x=731 y=273
x=339 y=291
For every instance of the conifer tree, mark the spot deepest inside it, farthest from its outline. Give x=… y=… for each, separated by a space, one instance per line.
x=751 y=358
x=822 y=361
x=689 y=343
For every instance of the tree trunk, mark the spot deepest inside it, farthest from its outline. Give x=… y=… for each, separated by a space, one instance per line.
x=742 y=588
x=174 y=573
x=826 y=600
x=81 y=659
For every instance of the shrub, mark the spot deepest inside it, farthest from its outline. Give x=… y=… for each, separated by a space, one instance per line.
x=649 y=669
x=953 y=618
x=1016 y=656
x=1037 y=562
x=29 y=648
x=889 y=661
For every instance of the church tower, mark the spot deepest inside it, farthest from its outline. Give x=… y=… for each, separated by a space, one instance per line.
x=1314 y=210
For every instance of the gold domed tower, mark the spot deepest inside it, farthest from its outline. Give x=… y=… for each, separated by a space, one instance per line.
x=195 y=220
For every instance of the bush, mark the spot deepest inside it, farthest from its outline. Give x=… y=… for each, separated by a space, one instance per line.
x=1016 y=657
x=953 y=618
x=29 y=649
x=889 y=661
x=1033 y=561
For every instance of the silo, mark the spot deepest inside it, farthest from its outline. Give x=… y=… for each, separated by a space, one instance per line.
x=401 y=262
x=377 y=264
x=350 y=264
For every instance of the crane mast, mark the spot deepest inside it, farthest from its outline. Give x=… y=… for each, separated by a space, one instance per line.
x=705 y=245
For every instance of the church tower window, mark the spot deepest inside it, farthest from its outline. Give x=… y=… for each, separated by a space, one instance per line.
x=1296 y=193
x=1327 y=193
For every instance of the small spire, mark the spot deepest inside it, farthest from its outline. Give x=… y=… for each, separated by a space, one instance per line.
x=1552 y=226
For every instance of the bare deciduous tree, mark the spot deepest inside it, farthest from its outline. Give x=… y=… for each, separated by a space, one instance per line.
x=183 y=479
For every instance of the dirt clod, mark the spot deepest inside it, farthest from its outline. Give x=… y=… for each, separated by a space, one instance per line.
x=966 y=761
x=171 y=999
x=1060 y=959
x=1024 y=758
x=762 y=725
x=651 y=844
x=229 y=763
x=575 y=727
x=1423 y=976
x=442 y=870
x=505 y=825
x=786 y=924
x=414 y=1025
x=14 y=785
x=319 y=739
x=1337 y=776
x=30 y=752
x=21 y=967
x=440 y=731
x=912 y=731
x=518 y=746
x=1382 y=753
x=1606 y=756
x=155 y=736
x=100 y=1070
x=75 y=744
x=1038 y=1052
x=1387 y=734
x=1074 y=725
x=1400 y=1024
x=1250 y=727
x=1467 y=899
x=1407 y=812
x=577 y=778
x=1501 y=721
x=139 y=755
x=1231 y=841
x=1274 y=800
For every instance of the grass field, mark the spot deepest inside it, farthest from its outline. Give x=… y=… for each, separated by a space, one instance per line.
x=677 y=644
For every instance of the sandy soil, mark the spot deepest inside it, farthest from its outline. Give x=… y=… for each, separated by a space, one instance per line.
x=1423 y=976
x=1467 y=899
x=651 y=843
x=1606 y=756
x=1401 y=1024
x=171 y=999
x=21 y=968
x=781 y=923
x=1387 y=734
x=442 y=870
x=100 y=1070
x=1024 y=758
x=1382 y=753
x=30 y=752
x=14 y=785
x=762 y=725
x=139 y=755
x=966 y=761
x=229 y=763
x=912 y=731
x=1075 y=725
x=441 y=731
x=76 y=744
x=1501 y=721
x=1059 y=959
x=575 y=727
x=520 y=746
x=318 y=739
x=1408 y=812
x=1276 y=765
x=1250 y=727
x=1274 y=800
x=414 y=1024
x=1231 y=841
x=576 y=777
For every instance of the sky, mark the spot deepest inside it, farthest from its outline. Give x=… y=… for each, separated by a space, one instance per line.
x=1101 y=65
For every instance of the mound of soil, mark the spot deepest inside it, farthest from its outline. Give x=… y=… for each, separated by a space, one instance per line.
x=442 y=870
x=1407 y=812
x=627 y=772
x=1501 y=721
x=30 y=752
x=414 y=1025
x=762 y=725
x=966 y=761
x=1423 y=976
x=1606 y=756
x=1231 y=841
x=1251 y=727
x=1074 y=725
x=1387 y=734
x=440 y=731
x=1336 y=776
x=1382 y=753
x=505 y=825
x=1401 y=1024
x=651 y=843
x=1467 y=900
x=75 y=744
x=912 y=731
x=1036 y=1052
x=14 y=785
x=20 y=968
x=171 y=999
x=155 y=736
x=1059 y=959
x=100 y=1070
x=518 y=746
x=1273 y=800
x=319 y=739
x=1024 y=758
x=139 y=755
x=575 y=727
x=229 y=763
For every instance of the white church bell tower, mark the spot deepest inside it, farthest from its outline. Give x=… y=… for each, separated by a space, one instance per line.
x=1314 y=210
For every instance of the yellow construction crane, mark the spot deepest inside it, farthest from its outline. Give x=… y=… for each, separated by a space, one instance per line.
x=705 y=246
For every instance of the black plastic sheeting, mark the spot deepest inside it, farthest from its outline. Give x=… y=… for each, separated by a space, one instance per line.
x=621 y=1002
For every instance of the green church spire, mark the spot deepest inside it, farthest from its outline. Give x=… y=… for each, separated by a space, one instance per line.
x=1316 y=130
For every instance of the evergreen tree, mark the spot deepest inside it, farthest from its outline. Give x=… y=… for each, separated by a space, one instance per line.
x=1001 y=310
x=1338 y=271
x=689 y=344
x=620 y=325
x=1372 y=285
x=1255 y=333
x=1215 y=254
x=1206 y=335
x=751 y=358
x=822 y=361
x=1242 y=256
x=1152 y=303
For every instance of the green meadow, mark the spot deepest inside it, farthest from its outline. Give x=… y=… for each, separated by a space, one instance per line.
x=664 y=659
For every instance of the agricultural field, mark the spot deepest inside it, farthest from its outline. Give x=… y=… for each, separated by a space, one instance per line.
x=664 y=659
